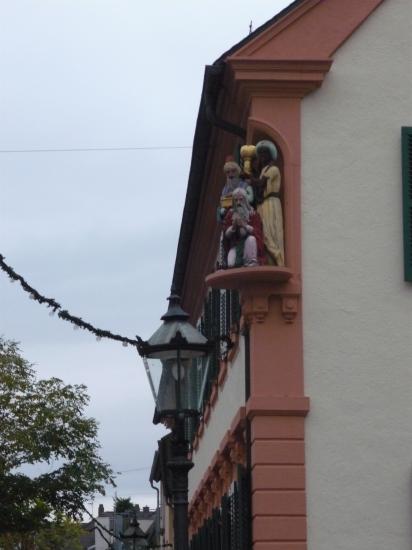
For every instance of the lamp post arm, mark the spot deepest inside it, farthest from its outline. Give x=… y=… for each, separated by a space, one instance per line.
x=141 y=345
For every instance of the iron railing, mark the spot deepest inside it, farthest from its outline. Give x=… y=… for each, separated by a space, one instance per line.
x=229 y=526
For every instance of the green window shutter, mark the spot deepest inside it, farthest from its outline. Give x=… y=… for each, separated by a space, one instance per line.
x=407 y=200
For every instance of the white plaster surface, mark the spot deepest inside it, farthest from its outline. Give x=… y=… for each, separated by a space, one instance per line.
x=357 y=309
x=231 y=397
x=100 y=542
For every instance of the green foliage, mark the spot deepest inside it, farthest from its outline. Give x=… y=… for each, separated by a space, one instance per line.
x=61 y=535
x=43 y=422
x=121 y=505
x=64 y=535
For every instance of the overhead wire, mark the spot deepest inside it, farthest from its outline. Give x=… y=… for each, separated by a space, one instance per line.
x=95 y=149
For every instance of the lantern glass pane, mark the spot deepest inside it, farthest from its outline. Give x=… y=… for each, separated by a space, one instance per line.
x=177 y=389
x=192 y=384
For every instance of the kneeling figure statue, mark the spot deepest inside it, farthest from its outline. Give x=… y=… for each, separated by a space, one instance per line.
x=242 y=233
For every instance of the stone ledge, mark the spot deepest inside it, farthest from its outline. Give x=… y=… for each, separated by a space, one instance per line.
x=240 y=277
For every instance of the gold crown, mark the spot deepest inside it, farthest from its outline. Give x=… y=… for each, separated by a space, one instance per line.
x=247 y=153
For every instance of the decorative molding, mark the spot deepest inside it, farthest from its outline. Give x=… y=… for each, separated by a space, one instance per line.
x=289 y=307
x=213 y=394
x=237 y=452
x=276 y=78
x=200 y=429
x=255 y=308
x=220 y=473
x=222 y=373
x=226 y=474
x=216 y=486
x=234 y=337
x=208 y=496
x=206 y=413
x=277 y=405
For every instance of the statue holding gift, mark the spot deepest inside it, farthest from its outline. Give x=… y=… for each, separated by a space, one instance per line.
x=269 y=206
x=242 y=233
x=233 y=181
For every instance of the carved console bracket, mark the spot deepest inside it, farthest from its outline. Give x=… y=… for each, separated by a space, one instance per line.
x=289 y=307
x=255 y=307
x=257 y=285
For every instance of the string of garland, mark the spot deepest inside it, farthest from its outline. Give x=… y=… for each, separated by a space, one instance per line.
x=56 y=308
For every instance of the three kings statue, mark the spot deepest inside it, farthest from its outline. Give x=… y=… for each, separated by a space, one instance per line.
x=250 y=209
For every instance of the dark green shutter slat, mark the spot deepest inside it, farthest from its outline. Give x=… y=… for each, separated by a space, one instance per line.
x=244 y=507
x=225 y=523
x=407 y=200
x=228 y=528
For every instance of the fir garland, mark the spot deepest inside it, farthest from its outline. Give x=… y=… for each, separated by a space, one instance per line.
x=55 y=307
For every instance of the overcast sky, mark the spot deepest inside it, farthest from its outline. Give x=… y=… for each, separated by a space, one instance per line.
x=98 y=230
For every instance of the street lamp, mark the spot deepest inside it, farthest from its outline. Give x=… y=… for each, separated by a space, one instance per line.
x=134 y=535
x=174 y=359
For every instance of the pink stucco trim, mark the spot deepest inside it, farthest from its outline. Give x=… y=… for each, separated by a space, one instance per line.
x=264 y=405
x=284 y=545
x=206 y=413
x=213 y=394
x=222 y=373
x=271 y=306
x=315 y=28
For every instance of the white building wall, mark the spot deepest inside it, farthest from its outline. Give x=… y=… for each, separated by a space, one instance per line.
x=231 y=397
x=100 y=541
x=357 y=309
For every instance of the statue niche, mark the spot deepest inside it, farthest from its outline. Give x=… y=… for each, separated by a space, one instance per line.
x=250 y=209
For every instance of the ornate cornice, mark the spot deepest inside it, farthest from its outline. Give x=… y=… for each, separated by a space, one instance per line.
x=276 y=78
